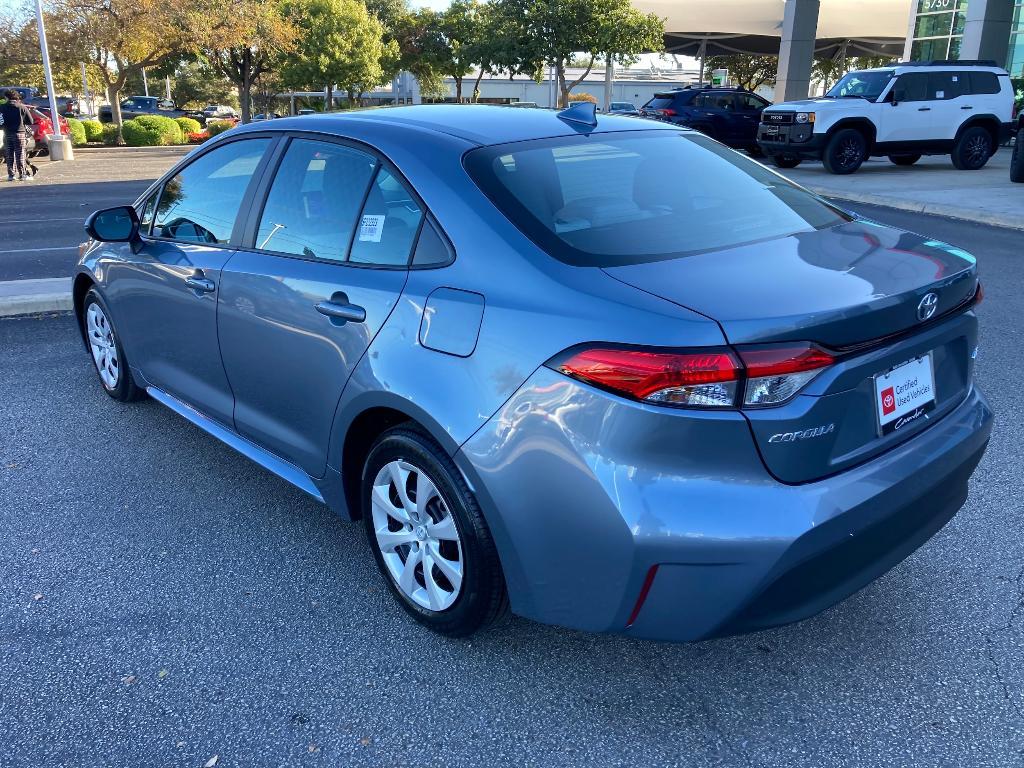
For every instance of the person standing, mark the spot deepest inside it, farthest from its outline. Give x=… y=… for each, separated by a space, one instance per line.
x=16 y=119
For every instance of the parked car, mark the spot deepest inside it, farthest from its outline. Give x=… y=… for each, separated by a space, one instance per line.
x=219 y=112
x=266 y=116
x=42 y=128
x=66 y=105
x=730 y=115
x=956 y=108
x=135 y=106
x=676 y=396
x=306 y=111
x=622 y=108
x=28 y=93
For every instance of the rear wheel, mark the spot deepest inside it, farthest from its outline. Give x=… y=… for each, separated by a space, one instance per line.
x=1017 y=159
x=428 y=535
x=972 y=149
x=785 y=161
x=904 y=159
x=106 y=350
x=845 y=152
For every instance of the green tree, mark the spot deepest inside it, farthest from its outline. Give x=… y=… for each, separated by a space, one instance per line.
x=196 y=84
x=749 y=72
x=246 y=40
x=459 y=28
x=539 y=32
x=339 y=43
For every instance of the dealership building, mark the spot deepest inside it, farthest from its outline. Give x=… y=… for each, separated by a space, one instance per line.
x=968 y=29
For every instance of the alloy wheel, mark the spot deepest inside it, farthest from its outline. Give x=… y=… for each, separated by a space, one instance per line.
x=849 y=153
x=416 y=533
x=976 y=150
x=103 y=346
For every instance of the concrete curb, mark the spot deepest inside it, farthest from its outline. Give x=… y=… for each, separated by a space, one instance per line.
x=30 y=297
x=1004 y=221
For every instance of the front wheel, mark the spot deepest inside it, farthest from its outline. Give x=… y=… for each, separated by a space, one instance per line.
x=845 y=152
x=428 y=535
x=972 y=150
x=785 y=161
x=904 y=159
x=106 y=350
x=1017 y=159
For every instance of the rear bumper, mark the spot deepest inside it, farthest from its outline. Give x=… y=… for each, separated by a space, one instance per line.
x=588 y=495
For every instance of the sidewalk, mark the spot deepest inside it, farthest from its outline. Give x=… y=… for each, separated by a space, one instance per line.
x=932 y=185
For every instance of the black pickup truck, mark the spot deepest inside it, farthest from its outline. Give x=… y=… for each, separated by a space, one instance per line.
x=134 y=106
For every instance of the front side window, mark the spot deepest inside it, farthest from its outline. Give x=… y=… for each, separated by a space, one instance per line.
x=861 y=85
x=614 y=199
x=749 y=101
x=200 y=203
x=314 y=201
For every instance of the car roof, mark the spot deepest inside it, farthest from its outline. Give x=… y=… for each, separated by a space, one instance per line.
x=474 y=123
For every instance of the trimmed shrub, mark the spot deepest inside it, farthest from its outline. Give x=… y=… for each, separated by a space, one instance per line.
x=214 y=127
x=151 y=131
x=93 y=130
x=197 y=138
x=188 y=125
x=110 y=134
x=574 y=97
x=77 y=131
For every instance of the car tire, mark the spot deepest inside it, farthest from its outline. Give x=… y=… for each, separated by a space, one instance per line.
x=904 y=159
x=1017 y=159
x=785 y=161
x=972 y=150
x=447 y=532
x=104 y=345
x=845 y=152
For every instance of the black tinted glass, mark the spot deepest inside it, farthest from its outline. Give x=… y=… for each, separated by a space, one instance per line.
x=947 y=85
x=912 y=87
x=200 y=203
x=659 y=102
x=430 y=248
x=314 y=200
x=628 y=198
x=983 y=82
x=389 y=224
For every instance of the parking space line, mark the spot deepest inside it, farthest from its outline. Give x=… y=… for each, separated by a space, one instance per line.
x=38 y=250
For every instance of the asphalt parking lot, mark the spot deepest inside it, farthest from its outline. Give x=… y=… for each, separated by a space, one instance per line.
x=164 y=601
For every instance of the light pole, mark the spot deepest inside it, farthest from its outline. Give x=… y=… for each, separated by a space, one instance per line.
x=54 y=117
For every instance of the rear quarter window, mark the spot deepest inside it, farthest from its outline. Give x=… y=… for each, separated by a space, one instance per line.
x=983 y=82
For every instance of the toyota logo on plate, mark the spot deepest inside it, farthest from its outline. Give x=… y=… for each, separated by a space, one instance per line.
x=926 y=308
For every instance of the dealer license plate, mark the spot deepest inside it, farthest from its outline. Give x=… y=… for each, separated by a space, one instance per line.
x=905 y=394
x=771 y=130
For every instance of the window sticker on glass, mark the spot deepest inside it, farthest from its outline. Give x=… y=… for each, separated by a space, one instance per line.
x=371 y=228
x=940 y=94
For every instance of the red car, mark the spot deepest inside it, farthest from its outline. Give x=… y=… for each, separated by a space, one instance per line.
x=41 y=129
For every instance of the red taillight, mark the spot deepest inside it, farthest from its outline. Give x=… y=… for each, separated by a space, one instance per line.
x=700 y=377
x=667 y=112
x=705 y=378
x=782 y=360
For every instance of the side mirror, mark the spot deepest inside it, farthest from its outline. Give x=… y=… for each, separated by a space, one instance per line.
x=113 y=225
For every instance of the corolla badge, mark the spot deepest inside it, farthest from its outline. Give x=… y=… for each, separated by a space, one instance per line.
x=927 y=306
x=803 y=434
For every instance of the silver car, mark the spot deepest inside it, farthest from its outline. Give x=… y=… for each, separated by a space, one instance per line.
x=605 y=371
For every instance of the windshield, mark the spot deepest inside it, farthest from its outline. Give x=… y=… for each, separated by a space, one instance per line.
x=865 y=85
x=627 y=198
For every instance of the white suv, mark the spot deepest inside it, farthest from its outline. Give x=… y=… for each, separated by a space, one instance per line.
x=957 y=108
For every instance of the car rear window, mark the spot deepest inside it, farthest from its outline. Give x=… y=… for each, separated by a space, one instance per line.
x=659 y=102
x=628 y=198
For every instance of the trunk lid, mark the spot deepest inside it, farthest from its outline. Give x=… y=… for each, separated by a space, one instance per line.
x=855 y=289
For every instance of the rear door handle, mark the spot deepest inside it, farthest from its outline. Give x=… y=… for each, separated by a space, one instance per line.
x=967 y=107
x=340 y=311
x=924 y=109
x=200 y=283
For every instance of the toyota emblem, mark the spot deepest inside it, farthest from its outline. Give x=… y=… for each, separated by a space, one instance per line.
x=926 y=308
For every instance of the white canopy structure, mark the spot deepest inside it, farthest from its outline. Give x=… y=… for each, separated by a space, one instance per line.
x=722 y=27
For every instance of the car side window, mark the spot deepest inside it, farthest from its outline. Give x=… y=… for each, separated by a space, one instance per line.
x=200 y=203
x=314 y=200
x=724 y=101
x=749 y=101
x=943 y=86
x=701 y=101
x=431 y=248
x=912 y=86
x=389 y=223
x=982 y=83
x=146 y=213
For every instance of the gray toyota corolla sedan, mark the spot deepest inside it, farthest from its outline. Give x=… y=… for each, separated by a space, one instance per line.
x=604 y=371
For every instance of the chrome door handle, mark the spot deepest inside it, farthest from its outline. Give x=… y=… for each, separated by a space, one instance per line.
x=201 y=284
x=339 y=311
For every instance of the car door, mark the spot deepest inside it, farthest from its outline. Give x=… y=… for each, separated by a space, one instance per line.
x=165 y=291
x=748 y=116
x=950 y=97
x=908 y=114
x=324 y=263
